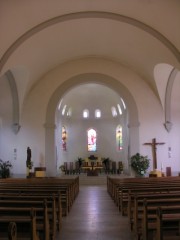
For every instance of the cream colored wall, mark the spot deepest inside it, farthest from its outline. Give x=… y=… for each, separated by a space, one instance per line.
x=77 y=139
x=32 y=132
x=140 y=91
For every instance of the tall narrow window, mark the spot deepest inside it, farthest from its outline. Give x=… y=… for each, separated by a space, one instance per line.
x=97 y=113
x=120 y=110
x=86 y=113
x=91 y=136
x=124 y=105
x=64 y=139
x=119 y=140
x=114 y=112
x=64 y=109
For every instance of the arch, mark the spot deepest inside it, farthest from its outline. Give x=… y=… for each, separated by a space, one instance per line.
x=164 y=75
x=172 y=76
x=15 y=101
x=88 y=14
x=82 y=79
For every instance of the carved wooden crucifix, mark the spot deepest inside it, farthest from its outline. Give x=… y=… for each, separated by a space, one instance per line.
x=153 y=145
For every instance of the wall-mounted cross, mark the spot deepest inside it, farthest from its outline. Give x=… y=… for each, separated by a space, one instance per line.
x=153 y=145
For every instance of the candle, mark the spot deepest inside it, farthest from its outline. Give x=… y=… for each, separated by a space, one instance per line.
x=161 y=165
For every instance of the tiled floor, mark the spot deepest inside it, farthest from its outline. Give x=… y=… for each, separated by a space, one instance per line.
x=94 y=216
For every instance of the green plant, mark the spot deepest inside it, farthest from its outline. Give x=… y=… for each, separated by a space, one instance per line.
x=140 y=164
x=5 y=167
x=62 y=168
x=29 y=164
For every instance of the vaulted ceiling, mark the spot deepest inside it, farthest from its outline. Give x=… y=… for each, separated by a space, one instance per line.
x=37 y=36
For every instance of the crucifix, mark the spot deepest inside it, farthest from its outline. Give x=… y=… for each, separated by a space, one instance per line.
x=153 y=145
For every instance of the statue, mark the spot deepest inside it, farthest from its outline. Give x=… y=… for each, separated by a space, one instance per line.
x=29 y=163
x=28 y=154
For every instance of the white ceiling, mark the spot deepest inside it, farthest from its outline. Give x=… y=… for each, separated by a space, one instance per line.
x=91 y=97
x=38 y=35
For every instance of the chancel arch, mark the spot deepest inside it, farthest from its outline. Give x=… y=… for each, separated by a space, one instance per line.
x=108 y=81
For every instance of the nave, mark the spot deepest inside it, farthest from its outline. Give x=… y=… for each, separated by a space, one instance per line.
x=95 y=216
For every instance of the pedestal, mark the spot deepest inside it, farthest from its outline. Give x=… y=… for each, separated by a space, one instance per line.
x=40 y=171
x=156 y=173
x=92 y=173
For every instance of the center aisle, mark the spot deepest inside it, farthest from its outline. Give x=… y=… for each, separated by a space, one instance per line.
x=94 y=216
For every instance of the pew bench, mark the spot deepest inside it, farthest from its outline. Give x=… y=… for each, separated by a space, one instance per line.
x=168 y=218
x=53 y=204
x=25 y=221
x=144 y=220
x=68 y=188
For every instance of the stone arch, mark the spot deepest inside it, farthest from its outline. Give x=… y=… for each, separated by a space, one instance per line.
x=88 y=14
x=164 y=75
x=119 y=88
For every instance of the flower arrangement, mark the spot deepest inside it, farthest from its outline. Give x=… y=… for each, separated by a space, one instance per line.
x=140 y=164
x=5 y=168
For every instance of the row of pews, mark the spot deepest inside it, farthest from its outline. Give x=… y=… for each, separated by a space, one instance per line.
x=33 y=208
x=152 y=205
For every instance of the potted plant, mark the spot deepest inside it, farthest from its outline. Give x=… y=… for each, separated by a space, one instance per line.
x=62 y=168
x=140 y=164
x=5 y=167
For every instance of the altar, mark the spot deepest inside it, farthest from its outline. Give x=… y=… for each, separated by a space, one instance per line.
x=92 y=166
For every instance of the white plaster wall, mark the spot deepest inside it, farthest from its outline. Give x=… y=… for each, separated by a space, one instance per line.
x=8 y=140
x=173 y=137
x=77 y=139
x=148 y=104
x=32 y=133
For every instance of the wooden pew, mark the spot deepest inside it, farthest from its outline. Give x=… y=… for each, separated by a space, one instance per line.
x=10 y=217
x=38 y=206
x=12 y=231
x=64 y=191
x=168 y=218
x=123 y=192
x=119 y=189
x=144 y=216
x=68 y=188
x=53 y=202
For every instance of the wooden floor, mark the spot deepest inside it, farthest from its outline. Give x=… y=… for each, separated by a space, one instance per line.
x=94 y=216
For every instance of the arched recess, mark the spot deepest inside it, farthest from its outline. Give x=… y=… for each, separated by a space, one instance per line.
x=50 y=151
x=83 y=15
x=164 y=75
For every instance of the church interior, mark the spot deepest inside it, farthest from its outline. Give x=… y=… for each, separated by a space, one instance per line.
x=84 y=82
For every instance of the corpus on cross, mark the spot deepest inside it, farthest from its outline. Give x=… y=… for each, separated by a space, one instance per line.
x=153 y=144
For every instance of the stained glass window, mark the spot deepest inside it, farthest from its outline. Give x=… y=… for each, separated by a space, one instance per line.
x=119 y=139
x=64 y=138
x=91 y=135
